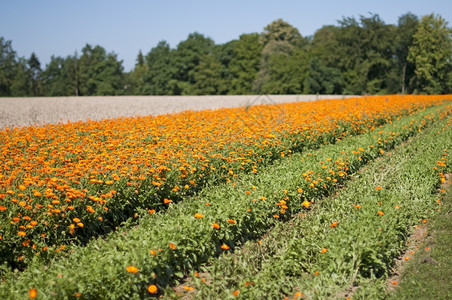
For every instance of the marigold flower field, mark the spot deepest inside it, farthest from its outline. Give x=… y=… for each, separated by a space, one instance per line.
x=154 y=198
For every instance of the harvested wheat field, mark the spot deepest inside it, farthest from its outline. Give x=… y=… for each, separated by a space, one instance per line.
x=50 y=110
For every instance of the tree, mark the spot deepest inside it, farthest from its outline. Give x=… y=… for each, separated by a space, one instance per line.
x=159 y=78
x=137 y=76
x=186 y=57
x=245 y=63
x=278 y=39
x=207 y=77
x=60 y=77
x=431 y=54
x=100 y=73
x=403 y=70
x=21 y=86
x=322 y=79
x=281 y=31
x=34 y=67
x=7 y=67
x=364 y=54
x=285 y=73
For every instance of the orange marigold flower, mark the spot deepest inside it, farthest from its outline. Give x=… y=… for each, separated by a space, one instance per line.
x=224 y=247
x=378 y=188
x=172 y=246
x=306 y=203
x=216 y=225
x=152 y=289
x=199 y=216
x=381 y=213
x=188 y=288
x=324 y=250
x=236 y=293
x=167 y=201
x=358 y=206
x=80 y=224
x=231 y=221
x=334 y=224
x=32 y=293
x=151 y=211
x=2 y=208
x=132 y=269
x=22 y=233
x=153 y=252
x=76 y=220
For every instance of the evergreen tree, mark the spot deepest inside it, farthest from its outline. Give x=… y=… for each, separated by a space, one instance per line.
x=34 y=67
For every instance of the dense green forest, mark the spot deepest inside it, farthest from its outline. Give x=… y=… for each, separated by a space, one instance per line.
x=357 y=56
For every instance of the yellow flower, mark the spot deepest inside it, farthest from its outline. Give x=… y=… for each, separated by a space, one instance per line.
x=199 y=216
x=32 y=293
x=152 y=289
x=132 y=269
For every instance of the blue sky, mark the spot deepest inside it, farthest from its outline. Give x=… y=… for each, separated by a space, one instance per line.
x=61 y=27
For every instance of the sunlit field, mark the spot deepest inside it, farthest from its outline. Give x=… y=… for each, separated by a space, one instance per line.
x=309 y=199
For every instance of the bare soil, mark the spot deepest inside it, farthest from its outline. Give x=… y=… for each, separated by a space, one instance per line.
x=17 y=112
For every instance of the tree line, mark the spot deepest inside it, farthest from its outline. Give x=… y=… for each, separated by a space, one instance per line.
x=356 y=56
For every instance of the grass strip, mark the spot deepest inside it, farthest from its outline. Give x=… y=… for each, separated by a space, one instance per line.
x=428 y=275
x=166 y=246
x=347 y=244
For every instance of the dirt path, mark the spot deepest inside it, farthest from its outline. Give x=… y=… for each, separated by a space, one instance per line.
x=31 y=111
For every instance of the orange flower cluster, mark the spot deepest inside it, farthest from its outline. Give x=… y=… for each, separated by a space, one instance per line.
x=61 y=182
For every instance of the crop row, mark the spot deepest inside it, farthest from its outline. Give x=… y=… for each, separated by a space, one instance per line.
x=166 y=245
x=348 y=243
x=62 y=184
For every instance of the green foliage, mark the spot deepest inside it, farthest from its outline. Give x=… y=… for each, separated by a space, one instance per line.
x=186 y=57
x=60 y=78
x=431 y=54
x=158 y=72
x=281 y=60
x=322 y=79
x=7 y=67
x=244 y=65
x=34 y=67
x=22 y=83
x=100 y=73
x=208 y=77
